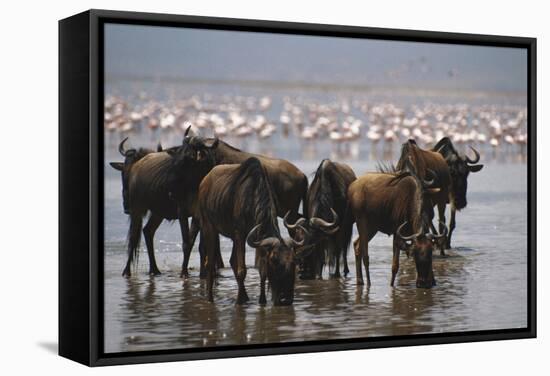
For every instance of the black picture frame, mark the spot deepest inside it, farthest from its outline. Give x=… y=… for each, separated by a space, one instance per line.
x=81 y=186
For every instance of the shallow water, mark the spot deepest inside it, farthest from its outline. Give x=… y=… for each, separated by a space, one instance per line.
x=481 y=284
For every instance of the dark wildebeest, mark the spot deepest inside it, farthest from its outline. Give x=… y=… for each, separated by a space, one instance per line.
x=422 y=162
x=460 y=167
x=153 y=186
x=288 y=182
x=131 y=156
x=330 y=220
x=392 y=203
x=238 y=202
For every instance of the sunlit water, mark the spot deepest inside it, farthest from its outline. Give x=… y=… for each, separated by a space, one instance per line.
x=482 y=284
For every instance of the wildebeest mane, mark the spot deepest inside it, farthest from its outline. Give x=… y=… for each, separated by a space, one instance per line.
x=391 y=169
x=251 y=187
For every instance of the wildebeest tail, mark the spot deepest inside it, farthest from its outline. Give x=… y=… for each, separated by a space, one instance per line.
x=134 y=238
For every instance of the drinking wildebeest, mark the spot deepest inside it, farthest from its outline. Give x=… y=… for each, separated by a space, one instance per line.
x=392 y=203
x=422 y=162
x=460 y=167
x=329 y=219
x=153 y=185
x=238 y=202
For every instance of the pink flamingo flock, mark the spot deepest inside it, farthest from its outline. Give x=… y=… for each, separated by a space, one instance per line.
x=341 y=121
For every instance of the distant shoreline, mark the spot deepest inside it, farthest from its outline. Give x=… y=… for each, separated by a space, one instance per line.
x=319 y=86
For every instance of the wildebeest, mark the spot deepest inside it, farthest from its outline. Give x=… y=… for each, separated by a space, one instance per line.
x=238 y=202
x=288 y=182
x=131 y=156
x=423 y=162
x=460 y=167
x=329 y=219
x=392 y=203
x=152 y=184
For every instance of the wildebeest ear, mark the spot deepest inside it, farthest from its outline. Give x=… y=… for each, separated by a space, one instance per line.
x=117 y=165
x=475 y=168
x=213 y=145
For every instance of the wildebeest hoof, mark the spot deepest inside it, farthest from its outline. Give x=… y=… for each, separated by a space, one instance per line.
x=263 y=300
x=126 y=273
x=154 y=272
x=184 y=274
x=242 y=298
x=360 y=282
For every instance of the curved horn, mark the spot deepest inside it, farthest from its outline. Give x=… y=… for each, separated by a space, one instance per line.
x=445 y=230
x=187 y=131
x=259 y=243
x=429 y=183
x=299 y=243
x=406 y=238
x=290 y=226
x=121 y=147
x=473 y=161
x=324 y=225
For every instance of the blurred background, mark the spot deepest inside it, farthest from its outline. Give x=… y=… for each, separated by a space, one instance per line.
x=307 y=98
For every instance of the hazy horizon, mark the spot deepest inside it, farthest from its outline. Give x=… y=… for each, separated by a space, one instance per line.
x=196 y=54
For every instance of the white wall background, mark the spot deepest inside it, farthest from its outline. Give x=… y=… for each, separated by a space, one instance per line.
x=28 y=184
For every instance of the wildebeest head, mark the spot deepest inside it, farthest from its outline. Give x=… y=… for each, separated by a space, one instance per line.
x=191 y=154
x=316 y=226
x=460 y=167
x=200 y=145
x=131 y=156
x=421 y=246
x=281 y=256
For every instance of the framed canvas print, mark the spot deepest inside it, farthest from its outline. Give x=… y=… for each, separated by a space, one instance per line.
x=240 y=187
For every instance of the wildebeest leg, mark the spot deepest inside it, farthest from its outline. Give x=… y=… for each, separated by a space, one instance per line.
x=148 y=233
x=239 y=267
x=344 y=253
x=442 y=220
x=364 y=238
x=193 y=232
x=211 y=242
x=202 y=254
x=184 y=227
x=358 y=268
x=334 y=253
x=395 y=260
x=219 y=263
x=195 y=229
x=263 y=274
x=452 y=226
